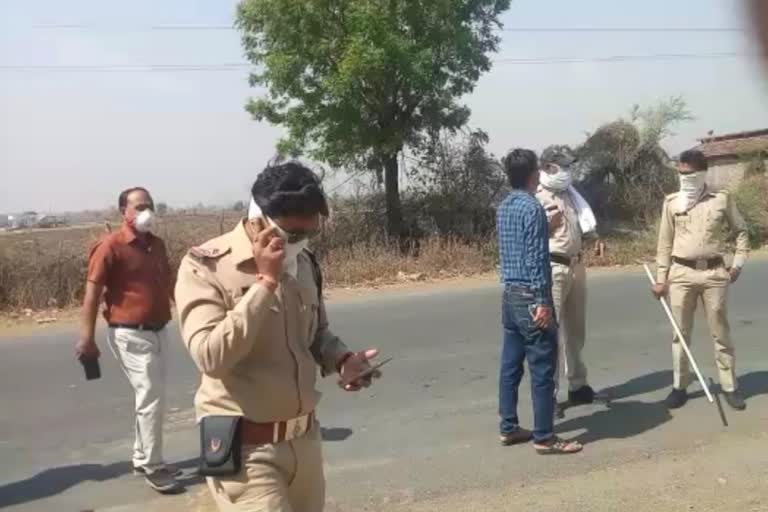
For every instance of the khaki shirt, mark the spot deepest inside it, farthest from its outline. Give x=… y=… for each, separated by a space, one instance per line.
x=698 y=233
x=258 y=351
x=567 y=239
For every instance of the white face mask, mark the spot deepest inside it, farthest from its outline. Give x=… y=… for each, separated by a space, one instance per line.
x=144 y=221
x=690 y=183
x=691 y=186
x=558 y=181
x=292 y=250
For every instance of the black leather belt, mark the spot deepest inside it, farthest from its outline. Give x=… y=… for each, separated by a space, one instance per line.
x=705 y=264
x=138 y=327
x=564 y=260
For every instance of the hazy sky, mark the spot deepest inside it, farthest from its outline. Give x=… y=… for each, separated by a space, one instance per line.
x=72 y=140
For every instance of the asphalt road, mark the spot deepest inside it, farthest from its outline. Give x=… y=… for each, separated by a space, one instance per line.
x=426 y=430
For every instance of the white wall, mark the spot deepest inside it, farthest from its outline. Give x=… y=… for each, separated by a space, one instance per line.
x=726 y=174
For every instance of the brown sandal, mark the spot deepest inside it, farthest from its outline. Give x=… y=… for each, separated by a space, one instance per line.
x=557 y=446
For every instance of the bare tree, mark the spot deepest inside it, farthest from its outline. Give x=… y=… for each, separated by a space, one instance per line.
x=624 y=170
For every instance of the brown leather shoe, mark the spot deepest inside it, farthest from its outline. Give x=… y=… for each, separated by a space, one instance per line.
x=519 y=436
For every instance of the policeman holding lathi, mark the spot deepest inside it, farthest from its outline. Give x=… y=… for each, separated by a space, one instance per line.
x=691 y=267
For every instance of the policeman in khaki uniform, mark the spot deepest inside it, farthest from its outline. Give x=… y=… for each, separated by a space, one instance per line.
x=570 y=218
x=254 y=322
x=691 y=266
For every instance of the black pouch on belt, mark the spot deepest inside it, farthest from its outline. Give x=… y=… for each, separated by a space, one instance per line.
x=221 y=445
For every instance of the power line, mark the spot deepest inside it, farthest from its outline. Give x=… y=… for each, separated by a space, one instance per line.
x=237 y=66
x=350 y=178
x=625 y=29
x=621 y=58
x=136 y=28
x=229 y=28
x=231 y=66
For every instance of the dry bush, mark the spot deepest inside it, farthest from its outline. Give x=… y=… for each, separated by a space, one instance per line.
x=623 y=171
x=46 y=268
x=624 y=248
x=751 y=197
x=432 y=258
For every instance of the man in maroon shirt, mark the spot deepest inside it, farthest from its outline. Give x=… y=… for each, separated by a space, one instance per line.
x=130 y=267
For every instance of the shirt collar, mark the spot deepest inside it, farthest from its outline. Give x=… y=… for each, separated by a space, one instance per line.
x=240 y=243
x=705 y=193
x=127 y=233
x=521 y=192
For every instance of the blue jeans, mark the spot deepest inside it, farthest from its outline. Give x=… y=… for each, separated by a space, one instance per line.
x=523 y=340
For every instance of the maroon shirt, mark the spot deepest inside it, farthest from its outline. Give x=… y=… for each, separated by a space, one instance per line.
x=137 y=277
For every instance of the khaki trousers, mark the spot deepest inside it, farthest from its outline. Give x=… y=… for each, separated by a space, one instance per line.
x=283 y=477
x=569 y=292
x=142 y=356
x=686 y=286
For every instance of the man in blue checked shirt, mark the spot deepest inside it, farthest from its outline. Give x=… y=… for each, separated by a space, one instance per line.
x=530 y=329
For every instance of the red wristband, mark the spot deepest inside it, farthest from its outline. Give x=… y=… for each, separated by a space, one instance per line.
x=268 y=281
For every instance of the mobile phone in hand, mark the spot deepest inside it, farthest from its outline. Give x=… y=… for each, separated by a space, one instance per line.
x=91 y=367
x=370 y=371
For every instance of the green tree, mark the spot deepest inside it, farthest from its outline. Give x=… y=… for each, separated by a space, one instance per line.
x=355 y=82
x=239 y=206
x=162 y=208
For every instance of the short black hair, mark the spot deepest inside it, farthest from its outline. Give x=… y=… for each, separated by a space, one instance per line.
x=695 y=159
x=287 y=189
x=122 y=201
x=519 y=165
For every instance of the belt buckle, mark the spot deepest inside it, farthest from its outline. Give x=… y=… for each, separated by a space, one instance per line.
x=295 y=427
x=702 y=265
x=298 y=427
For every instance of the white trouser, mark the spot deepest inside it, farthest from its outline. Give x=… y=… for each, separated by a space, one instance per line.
x=569 y=291
x=141 y=354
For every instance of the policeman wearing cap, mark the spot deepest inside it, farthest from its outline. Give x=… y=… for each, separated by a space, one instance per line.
x=570 y=219
x=691 y=266
x=253 y=319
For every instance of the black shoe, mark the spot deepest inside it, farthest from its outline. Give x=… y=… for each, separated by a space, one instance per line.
x=676 y=399
x=582 y=396
x=517 y=436
x=163 y=482
x=173 y=470
x=735 y=400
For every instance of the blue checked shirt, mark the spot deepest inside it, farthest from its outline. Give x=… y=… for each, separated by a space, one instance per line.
x=523 y=232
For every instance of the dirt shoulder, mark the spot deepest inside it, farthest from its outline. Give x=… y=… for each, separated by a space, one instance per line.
x=409 y=284
x=34 y=321
x=727 y=475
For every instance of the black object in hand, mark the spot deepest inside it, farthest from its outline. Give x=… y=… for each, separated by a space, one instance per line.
x=91 y=367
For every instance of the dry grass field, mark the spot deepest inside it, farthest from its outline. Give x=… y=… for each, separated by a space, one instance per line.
x=45 y=268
